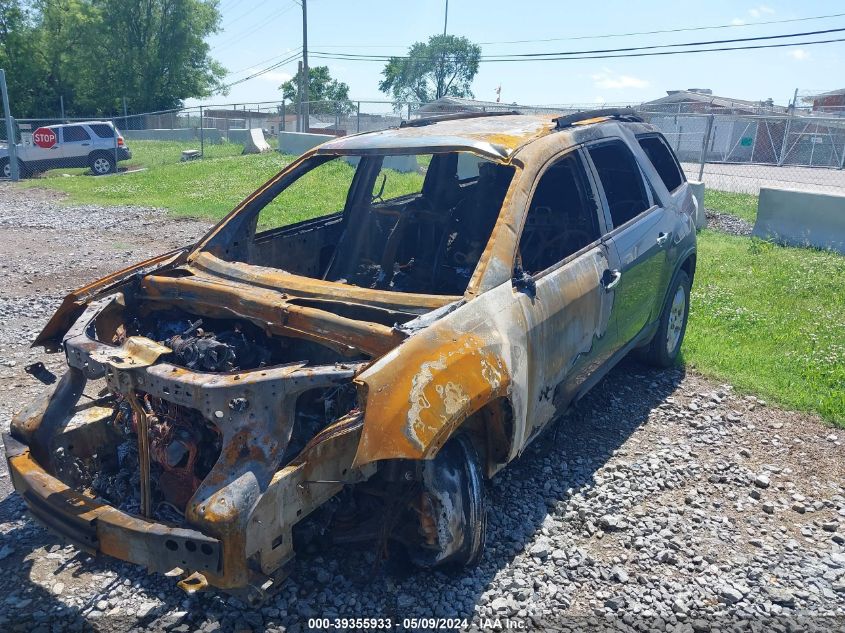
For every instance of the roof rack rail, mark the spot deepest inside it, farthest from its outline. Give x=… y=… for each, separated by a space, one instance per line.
x=453 y=117
x=628 y=115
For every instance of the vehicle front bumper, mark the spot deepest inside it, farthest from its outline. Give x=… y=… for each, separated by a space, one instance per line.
x=96 y=527
x=239 y=523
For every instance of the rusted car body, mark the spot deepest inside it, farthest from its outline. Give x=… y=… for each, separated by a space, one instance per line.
x=264 y=388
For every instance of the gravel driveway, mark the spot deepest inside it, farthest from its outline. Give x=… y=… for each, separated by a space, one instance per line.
x=664 y=501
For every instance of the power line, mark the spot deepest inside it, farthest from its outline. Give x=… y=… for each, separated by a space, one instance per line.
x=617 y=56
x=677 y=30
x=249 y=11
x=556 y=55
x=264 y=71
x=256 y=27
x=610 y=35
x=298 y=49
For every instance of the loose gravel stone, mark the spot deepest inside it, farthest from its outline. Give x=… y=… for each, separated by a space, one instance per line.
x=727 y=223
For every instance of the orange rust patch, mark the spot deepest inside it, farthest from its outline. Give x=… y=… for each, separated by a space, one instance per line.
x=412 y=409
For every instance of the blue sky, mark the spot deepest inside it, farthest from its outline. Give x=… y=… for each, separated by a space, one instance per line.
x=257 y=33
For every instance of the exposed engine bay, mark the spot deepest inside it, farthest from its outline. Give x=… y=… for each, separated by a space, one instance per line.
x=183 y=445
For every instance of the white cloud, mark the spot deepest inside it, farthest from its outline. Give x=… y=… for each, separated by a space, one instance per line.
x=275 y=77
x=609 y=80
x=737 y=21
x=799 y=54
x=759 y=12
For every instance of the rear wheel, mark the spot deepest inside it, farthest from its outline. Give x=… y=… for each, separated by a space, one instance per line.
x=102 y=164
x=666 y=344
x=452 y=508
x=6 y=169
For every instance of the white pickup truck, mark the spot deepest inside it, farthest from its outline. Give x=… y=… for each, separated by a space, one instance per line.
x=95 y=144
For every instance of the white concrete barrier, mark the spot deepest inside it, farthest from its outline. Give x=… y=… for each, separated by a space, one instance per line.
x=801 y=218
x=696 y=188
x=405 y=163
x=210 y=135
x=252 y=140
x=297 y=143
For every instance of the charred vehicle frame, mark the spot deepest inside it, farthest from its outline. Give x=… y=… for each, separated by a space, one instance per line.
x=357 y=375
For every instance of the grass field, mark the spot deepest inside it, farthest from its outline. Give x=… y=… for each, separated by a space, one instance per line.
x=768 y=319
x=207 y=188
x=742 y=205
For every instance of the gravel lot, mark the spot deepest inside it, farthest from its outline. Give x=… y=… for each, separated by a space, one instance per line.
x=664 y=501
x=727 y=223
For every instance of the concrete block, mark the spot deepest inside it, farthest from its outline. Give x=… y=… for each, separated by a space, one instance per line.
x=297 y=143
x=210 y=135
x=696 y=188
x=801 y=218
x=252 y=140
x=404 y=164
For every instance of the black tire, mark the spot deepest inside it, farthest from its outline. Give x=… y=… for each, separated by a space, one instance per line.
x=5 y=172
x=102 y=163
x=665 y=346
x=455 y=475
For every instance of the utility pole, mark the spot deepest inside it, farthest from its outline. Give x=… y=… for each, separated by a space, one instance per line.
x=299 y=101
x=445 y=17
x=305 y=113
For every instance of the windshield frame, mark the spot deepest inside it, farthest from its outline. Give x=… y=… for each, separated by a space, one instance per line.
x=231 y=225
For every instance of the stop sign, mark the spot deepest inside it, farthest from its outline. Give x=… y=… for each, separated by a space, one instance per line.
x=44 y=137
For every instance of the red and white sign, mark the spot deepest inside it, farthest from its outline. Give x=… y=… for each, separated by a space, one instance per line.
x=44 y=137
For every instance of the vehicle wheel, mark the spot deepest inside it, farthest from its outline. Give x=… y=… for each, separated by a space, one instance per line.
x=6 y=169
x=666 y=344
x=102 y=164
x=452 y=508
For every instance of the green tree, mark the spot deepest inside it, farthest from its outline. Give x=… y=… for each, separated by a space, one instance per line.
x=95 y=52
x=443 y=66
x=321 y=87
x=154 y=52
x=26 y=73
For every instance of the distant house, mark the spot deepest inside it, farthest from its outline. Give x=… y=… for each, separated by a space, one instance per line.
x=746 y=131
x=827 y=103
x=703 y=101
x=460 y=104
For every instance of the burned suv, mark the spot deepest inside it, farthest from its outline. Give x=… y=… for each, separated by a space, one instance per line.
x=356 y=347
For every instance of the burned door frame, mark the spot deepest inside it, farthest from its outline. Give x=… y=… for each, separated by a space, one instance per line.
x=566 y=304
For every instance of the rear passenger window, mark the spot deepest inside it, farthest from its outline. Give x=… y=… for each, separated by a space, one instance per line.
x=102 y=130
x=562 y=218
x=75 y=133
x=621 y=179
x=663 y=160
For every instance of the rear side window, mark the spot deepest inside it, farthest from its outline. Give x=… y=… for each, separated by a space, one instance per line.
x=102 y=130
x=621 y=180
x=663 y=160
x=75 y=133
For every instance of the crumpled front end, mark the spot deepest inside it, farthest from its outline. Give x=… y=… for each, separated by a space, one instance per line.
x=176 y=443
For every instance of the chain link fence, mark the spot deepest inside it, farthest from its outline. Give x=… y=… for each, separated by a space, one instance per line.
x=743 y=152
x=735 y=147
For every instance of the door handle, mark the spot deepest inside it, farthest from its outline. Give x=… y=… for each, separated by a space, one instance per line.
x=662 y=238
x=85 y=144
x=610 y=278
